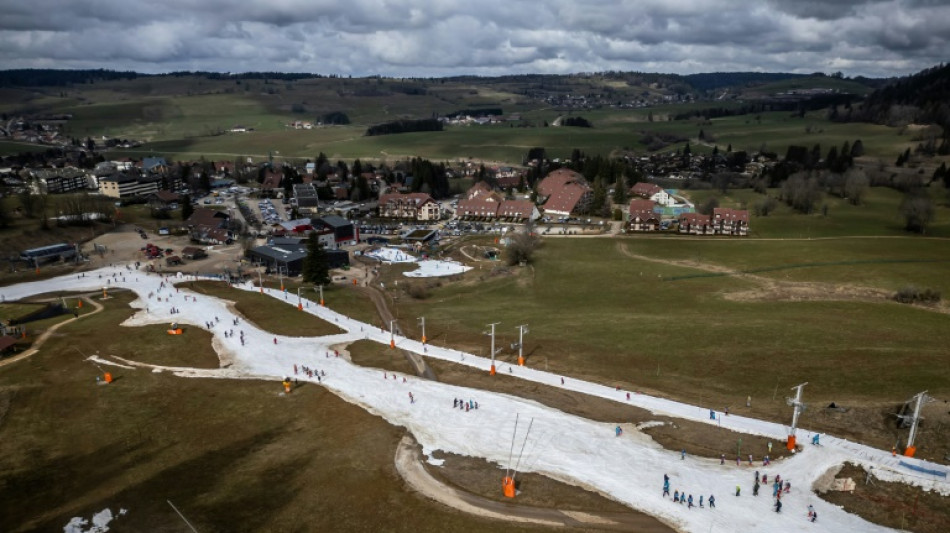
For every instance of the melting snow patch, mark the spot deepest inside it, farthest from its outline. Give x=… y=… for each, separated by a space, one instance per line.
x=392 y=255
x=100 y=522
x=432 y=269
x=432 y=460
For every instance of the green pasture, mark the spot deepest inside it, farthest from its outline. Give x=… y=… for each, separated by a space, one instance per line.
x=181 y=118
x=878 y=215
x=597 y=313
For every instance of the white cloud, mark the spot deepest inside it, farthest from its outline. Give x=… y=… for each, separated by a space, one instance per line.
x=452 y=37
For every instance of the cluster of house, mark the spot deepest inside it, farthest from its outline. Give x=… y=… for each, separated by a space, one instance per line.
x=644 y=214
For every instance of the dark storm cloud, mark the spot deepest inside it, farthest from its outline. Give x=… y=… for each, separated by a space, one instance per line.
x=448 y=37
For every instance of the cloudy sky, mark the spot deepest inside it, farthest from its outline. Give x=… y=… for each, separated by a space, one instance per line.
x=483 y=37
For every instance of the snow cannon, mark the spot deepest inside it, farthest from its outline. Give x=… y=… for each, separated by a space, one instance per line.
x=108 y=377
x=791 y=443
x=508 y=487
x=910 y=451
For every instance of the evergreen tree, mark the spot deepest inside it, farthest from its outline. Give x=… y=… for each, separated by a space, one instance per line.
x=316 y=267
x=620 y=192
x=186 y=208
x=857 y=149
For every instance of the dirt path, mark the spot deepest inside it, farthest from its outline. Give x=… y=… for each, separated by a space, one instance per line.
x=409 y=466
x=38 y=343
x=379 y=300
x=769 y=289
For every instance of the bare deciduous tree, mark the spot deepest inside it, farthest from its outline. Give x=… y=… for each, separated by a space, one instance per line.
x=855 y=185
x=522 y=245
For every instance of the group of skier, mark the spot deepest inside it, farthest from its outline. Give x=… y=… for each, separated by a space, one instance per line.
x=683 y=498
x=463 y=405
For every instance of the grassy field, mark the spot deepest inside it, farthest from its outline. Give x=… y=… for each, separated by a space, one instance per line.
x=595 y=313
x=878 y=215
x=182 y=118
x=231 y=455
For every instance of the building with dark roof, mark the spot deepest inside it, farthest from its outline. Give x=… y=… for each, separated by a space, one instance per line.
x=343 y=230
x=287 y=255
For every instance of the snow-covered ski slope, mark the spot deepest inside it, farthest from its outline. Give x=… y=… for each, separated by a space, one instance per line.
x=629 y=468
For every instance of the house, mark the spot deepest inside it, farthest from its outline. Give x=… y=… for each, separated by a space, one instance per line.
x=414 y=206
x=642 y=217
x=652 y=192
x=477 y=209
x=123 y=185
x=193 y=252
x=727 y=221
x=520 y=211
x=163 y=200
x=343 y=230
x=209 y=226
x=695 y=224
x=565 y=192
x=305 y=197
x=287 y=256
x=62 y=180
x=272 y=180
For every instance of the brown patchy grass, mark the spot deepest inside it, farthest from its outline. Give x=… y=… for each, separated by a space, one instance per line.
x=231 y=455
x=374 y=354
x=267 y=312
x=676 y=434
x=895 y=505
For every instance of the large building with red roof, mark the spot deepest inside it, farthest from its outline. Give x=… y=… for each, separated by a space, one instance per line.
x=564 y=192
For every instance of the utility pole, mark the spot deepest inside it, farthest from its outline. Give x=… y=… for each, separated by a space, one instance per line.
x=299 y=299
x=492 y=370
x=260 y=281
x=423 y=320
x=322 y=304
x=920 y=399
x=392 y=335
x=521 y=331
x=799 y=407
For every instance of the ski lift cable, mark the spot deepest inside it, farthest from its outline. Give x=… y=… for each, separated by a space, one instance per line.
x=512 y=451
x=515 y=471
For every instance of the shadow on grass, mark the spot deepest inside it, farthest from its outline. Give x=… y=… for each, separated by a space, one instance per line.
x=196 y=486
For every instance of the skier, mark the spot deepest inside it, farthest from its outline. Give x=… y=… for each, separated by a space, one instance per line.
x=683 y=454
x=738 y=490
x=722 y=459
x=814 y=440
x=778 y=506
x=690 y=500
x=411 y=398
x=676 y=496
x=712 y=501
x=700 y=501
x=666 y=488
x=814 y=516
x=755 y=488
x=788 y=487
x=811 y=510
x=618 y=431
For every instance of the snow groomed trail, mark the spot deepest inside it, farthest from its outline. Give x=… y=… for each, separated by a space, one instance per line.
x=629 y=468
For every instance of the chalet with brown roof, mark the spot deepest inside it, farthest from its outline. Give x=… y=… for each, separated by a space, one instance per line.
x=519 y=211
x=477 y=209
x=163 y=199
x=727 y=221
x=695 y=224
x=272 y=180
x=565 y=192
x=642 y=217
x=652 y=192
x=209 y=226
x=413 y=206
x=479 y=189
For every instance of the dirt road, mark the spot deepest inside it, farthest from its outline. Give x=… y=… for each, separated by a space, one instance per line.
x=409 y=466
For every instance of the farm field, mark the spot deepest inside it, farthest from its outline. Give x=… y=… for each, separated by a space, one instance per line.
x=184 y=117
